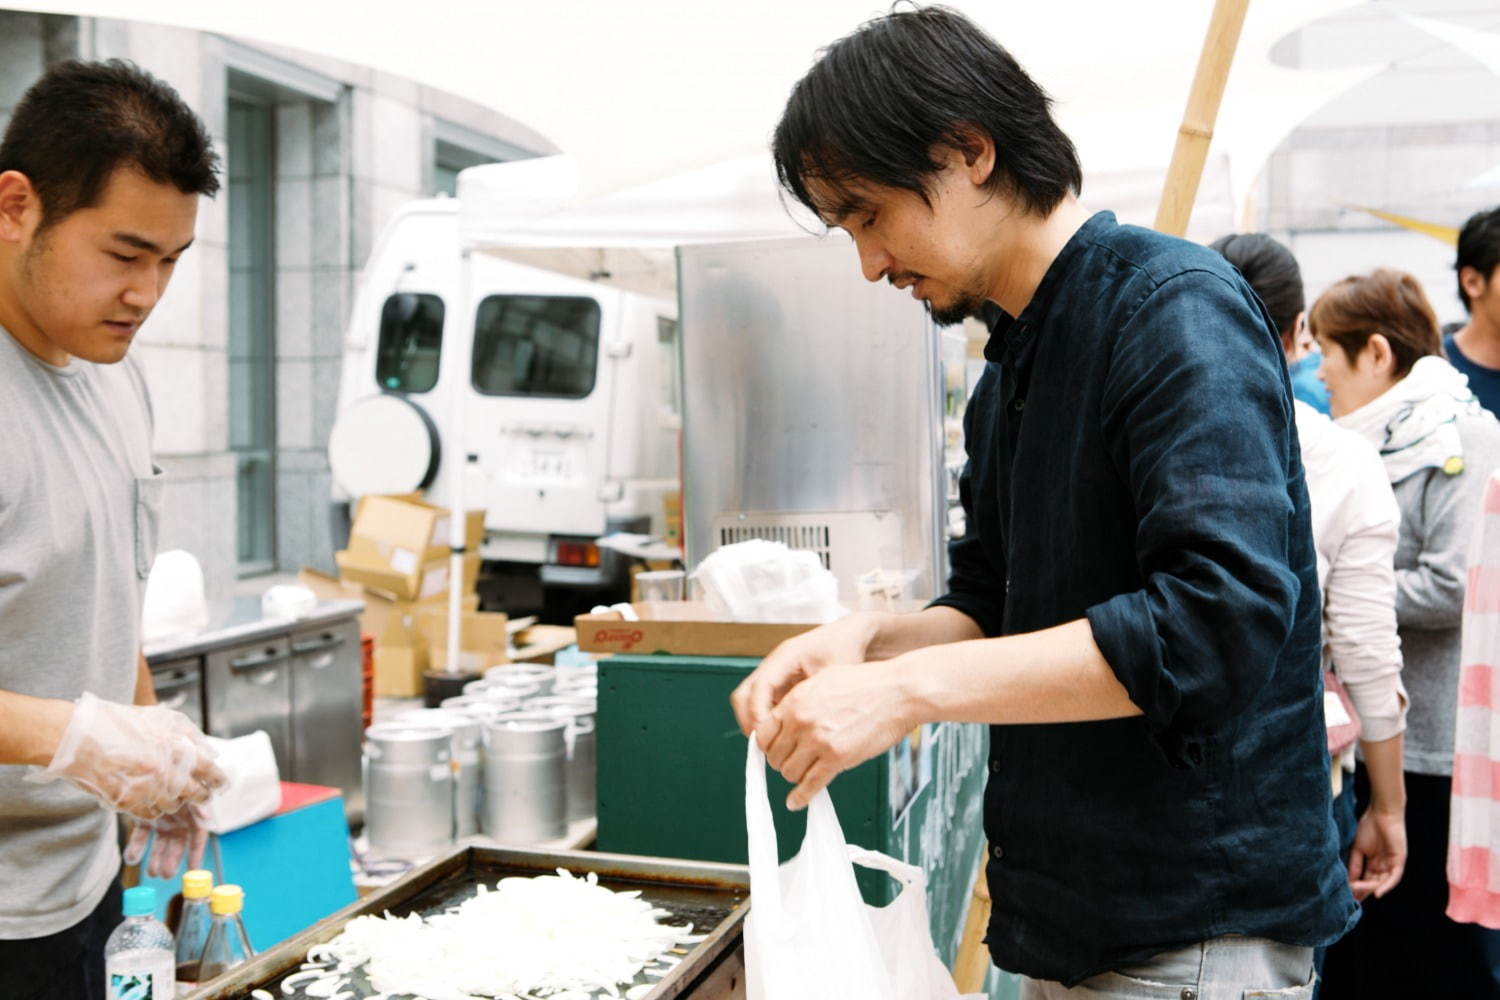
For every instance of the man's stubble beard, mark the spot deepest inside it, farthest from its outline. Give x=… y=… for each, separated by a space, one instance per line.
x=956 y=312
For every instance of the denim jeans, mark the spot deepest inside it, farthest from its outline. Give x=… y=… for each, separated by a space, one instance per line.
x=1225 y=968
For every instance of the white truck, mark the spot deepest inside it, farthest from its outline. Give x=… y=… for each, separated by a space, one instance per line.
x=569 y=383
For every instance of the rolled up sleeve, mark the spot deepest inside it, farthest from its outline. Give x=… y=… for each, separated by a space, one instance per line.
x=1199 y=424
x=1359 y=609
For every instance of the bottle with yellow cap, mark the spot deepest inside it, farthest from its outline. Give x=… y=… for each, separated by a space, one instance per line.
x=228 y=945
x=191 y=932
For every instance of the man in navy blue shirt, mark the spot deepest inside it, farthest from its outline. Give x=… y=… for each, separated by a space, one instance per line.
x=1134 y=610
x=1474 y=348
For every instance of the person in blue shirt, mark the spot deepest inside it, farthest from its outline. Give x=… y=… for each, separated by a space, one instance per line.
x=1474 y=348
x=1272 y=271
x=1134 y=610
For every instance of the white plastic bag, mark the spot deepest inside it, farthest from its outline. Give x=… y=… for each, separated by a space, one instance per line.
x=174 y=603
x=287 y=600
x=761 y=581
x=809 y=934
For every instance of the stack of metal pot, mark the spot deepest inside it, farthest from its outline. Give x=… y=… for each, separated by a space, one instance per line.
x=466 y=737
x=409 y=783
x=526 y=754
x=518 y=762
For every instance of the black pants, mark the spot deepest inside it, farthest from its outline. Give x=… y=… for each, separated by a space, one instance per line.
x=68 y=965
x=1404 y=944
x=1347 y=822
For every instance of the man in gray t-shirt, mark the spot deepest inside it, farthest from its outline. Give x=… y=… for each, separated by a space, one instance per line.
x=101 y=169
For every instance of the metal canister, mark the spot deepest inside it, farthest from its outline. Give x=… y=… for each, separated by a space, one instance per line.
x=525 y=777
x=582 y=753
x=524 y=674
x=480 y=707
x=511 y=689
x=579 y=676
x=408 y=777
x=467 y=744
x=583 y=769
x=577 y=689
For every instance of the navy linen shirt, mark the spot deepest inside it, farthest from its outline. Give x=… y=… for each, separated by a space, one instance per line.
x=1133 y=459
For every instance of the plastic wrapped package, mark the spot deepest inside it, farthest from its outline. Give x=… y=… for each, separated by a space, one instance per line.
x=761 y=581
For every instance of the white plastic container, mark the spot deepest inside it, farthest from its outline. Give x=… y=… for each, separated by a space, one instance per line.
x=139 y=959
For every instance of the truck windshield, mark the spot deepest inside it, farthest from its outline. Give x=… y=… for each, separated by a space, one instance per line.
x=536 y=345
x=411 y=342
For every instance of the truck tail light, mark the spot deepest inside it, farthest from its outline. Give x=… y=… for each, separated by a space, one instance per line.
x=577 y=554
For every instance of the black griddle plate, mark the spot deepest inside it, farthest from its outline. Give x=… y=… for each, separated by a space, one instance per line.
x=712 y=897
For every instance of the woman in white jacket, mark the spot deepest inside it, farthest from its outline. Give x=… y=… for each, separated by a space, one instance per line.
x=1388 y=382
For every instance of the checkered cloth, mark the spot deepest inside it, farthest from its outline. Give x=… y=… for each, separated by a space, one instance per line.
x=1474 y=827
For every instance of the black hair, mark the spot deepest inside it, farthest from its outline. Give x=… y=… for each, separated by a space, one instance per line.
x=81 y=121
x=1478 y=247
x=878 y=102
x=1271 y=270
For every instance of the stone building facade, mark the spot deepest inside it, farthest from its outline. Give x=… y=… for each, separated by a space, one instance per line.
x=243 y=352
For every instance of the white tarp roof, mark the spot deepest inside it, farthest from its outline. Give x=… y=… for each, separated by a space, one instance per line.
x=645 y=90
x=541 y=203
x=535 y=212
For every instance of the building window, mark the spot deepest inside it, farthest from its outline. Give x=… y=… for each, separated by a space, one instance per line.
x=252 y=331
x=456 y=148
x=448 y=160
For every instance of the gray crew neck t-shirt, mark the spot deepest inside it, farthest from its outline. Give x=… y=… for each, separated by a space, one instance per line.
x=79 y=500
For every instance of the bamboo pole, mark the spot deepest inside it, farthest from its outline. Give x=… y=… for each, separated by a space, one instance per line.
x=972 y=962
x=1197 y=129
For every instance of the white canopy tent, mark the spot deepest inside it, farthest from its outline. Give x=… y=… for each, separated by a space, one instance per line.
x=533 y=211
x=1483 y=47
x=642 y=91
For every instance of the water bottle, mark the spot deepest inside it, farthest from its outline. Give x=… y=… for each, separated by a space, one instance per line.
x=227 y=944
x=138 y=958
x=191 y=931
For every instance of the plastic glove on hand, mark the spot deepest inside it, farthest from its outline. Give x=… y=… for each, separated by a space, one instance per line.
x=184 y=832
x=142 y=760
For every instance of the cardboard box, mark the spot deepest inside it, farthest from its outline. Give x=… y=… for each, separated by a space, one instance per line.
x=683 y=627
x=394 y=576
x=396 y=572
x=400 y=655
x=540 y=643
x=407 y=518
x=401 y=648
x=484 y=638
x=398 y=547
x=331 y=588
x=359 y=502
